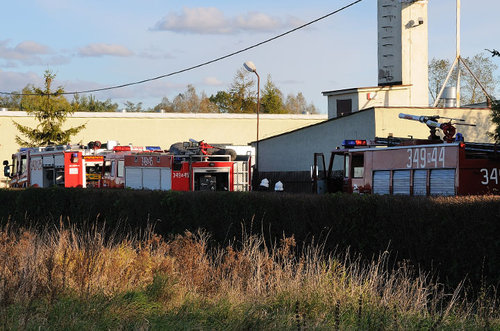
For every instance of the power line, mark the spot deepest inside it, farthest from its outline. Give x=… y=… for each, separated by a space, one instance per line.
x=204 y=63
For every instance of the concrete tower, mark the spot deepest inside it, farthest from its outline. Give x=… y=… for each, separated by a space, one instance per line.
x=403 y=47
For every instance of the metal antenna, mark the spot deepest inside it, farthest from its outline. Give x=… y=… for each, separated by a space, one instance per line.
x=456 y=63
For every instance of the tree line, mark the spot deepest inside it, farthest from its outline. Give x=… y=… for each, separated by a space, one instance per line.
x=51 y=108
x=240 y=97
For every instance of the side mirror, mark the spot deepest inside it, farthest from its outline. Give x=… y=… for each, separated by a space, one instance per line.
x=6 y=169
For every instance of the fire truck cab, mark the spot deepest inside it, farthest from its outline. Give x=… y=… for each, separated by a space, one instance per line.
x=63 y=165
x=46 y=167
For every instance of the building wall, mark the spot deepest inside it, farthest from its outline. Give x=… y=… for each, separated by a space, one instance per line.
x=295 y=150
x=387 y=121
x=160 y=129
x=384 y=96
x=415 y=51
x=332 y=102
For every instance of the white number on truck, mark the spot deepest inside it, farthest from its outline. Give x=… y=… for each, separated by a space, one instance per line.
x=489 y=176
x=424 y=158
x=147 y=161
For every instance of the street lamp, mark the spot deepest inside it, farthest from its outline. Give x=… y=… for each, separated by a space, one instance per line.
x=250 y=66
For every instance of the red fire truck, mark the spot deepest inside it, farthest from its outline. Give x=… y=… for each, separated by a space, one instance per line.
x=184 y=173
x=193 y=166
x=411 y=166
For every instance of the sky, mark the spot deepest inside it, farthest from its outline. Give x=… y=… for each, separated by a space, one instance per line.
x=91 y=44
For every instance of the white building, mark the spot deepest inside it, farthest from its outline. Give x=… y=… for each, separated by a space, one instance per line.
x=403 y=78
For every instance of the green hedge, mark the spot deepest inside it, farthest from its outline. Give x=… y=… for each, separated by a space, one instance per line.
x=457 y=237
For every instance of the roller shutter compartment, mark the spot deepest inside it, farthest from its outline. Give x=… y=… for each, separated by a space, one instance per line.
x=401 y=182
x=133 y=178
x=420 y=182
x=381 y=181
x=442 y=182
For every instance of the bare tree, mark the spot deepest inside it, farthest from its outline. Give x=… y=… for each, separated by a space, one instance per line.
x=483 y=68
x=438 y=69
x=471 y=92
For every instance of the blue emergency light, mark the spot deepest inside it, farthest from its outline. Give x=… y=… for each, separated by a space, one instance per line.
x=459 y=137
x=353 y=143
x=153 y=148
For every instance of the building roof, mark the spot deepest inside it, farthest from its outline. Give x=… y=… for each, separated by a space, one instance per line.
x=176 y=115
x=365 y=89
x=477 y=105
x=357 y=112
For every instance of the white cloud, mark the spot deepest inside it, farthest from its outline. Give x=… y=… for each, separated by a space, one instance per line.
x=11 y=81
x=31 y=47
x=210 y=20
x=100 y=49
x=212 y=81
x=27 y=52
x=195 y=20
x=257 y=21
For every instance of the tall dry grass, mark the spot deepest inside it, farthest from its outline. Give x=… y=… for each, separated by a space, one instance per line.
x=145 y=278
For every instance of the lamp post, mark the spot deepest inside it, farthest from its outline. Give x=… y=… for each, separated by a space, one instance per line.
x=252 y=68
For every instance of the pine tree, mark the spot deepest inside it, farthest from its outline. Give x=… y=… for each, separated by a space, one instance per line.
x=272 y=98
x=50 y=109
x=242 y=95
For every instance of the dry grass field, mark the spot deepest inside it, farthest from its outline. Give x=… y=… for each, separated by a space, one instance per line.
x=68 y=278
